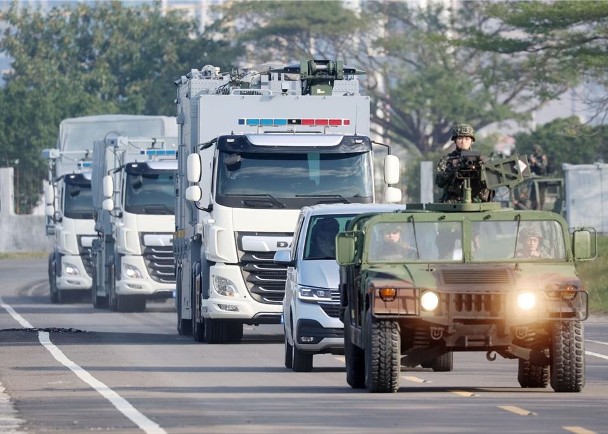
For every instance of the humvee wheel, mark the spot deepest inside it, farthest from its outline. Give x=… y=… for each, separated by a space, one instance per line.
x=443 y=363
x=529 y=375
x=568 y=356
x=354 y=357
x=382 y=355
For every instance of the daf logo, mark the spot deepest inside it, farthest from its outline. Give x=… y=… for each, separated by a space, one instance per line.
x=281 y=244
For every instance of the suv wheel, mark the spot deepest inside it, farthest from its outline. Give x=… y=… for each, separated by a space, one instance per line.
x=288 y=353
x=302 y=361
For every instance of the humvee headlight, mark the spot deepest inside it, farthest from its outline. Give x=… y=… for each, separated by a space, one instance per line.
x=387 y=294
x=429 y=301
x=526 y=300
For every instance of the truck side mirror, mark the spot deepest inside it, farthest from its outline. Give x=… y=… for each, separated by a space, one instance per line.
x=108 y=187
x=346 y=245
x=194 y=193
x=107 y=204
x=391 y=169
x=584 y=244
x=49 y=194
x=193 y=168
x=392 y=195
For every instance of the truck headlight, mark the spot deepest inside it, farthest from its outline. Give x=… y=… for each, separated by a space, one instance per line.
x=526 y=300
x=131 y=272
x=313 y=295
x=70 y=269
x=224 y=287
x=429 y=300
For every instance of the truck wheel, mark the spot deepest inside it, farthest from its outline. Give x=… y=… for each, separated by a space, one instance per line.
x=529 y=375
x=53 y=280
x=233 y=331
x=354 y=356
x=302 y=361
x=382 y=355
x=443 y=363
x=214 y=331
x=568 y=356
x=288 y=353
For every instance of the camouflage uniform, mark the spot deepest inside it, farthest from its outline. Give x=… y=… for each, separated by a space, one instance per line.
x=453 y=187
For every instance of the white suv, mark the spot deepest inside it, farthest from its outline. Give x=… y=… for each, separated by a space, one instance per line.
x=312 y=296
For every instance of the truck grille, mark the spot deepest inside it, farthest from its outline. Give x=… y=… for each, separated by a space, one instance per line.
x=332 y=308
x=265 y=280
x=159 y=260
x=85 y=255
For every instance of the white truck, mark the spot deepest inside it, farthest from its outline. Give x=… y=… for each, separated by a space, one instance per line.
x=134 y=205
x=68 y=198
x=254 y=148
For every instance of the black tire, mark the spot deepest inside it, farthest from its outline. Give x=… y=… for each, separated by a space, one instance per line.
x=532 y=376
x=233 y=331
x=443 y=363
x=382 y=355
x=568 y=356
x=53 y=280
x=131 y=303
x=214 y=331
x=288 y=353
x=353 y=356
x=302 y=361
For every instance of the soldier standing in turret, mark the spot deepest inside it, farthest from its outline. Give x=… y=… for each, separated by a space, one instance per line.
x=463 y=135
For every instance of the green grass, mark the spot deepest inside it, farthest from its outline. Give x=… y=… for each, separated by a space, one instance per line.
x=23 y=255
x=595 y=277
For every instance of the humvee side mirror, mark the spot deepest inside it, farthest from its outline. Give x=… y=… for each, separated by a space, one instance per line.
x=584 y=244
x=346 y=248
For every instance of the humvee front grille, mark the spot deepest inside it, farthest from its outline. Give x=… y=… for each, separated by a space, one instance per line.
x=472 y=277
x=479 y=305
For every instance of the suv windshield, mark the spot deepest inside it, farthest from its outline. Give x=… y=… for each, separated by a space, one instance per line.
x=487 y=241
x=321 y=236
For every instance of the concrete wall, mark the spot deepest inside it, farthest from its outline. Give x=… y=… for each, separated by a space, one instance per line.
x=19 y=233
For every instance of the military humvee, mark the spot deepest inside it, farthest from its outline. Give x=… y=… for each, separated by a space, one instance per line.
x=473 y=285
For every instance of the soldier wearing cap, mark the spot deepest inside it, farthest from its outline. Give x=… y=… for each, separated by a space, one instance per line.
x=531 y=238
x=463 y=136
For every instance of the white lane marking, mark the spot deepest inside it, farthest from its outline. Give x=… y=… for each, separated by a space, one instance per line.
x=115 y=399
x=597 y=342
x=601 y=356
x=517 y=410
x=415 y=379
x=578 y=430
x=465 y=394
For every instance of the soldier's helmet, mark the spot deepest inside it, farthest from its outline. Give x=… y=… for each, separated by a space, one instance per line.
x=530 y=232
x=463 y=130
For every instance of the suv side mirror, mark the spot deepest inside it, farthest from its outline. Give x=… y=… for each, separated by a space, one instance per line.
x=283 y=257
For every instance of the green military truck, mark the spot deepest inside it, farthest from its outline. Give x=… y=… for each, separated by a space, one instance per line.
x=477 y=281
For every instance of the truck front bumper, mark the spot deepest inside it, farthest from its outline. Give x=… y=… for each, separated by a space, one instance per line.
x=73 y=274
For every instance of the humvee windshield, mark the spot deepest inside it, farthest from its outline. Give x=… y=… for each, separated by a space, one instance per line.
x=539 y=240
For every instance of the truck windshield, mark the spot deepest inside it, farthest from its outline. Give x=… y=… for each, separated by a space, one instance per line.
x=78 y=200
x=512 y=241
x=249 y=180
x=150 y=193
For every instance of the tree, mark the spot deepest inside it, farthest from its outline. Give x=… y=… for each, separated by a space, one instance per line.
x=85 y=59
x=568 y=38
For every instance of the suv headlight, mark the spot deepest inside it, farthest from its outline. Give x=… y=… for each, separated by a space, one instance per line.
x=313 y=295
x=224 y=287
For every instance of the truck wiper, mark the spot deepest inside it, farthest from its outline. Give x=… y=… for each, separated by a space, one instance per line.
x=326 y=196
x=260 y=199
